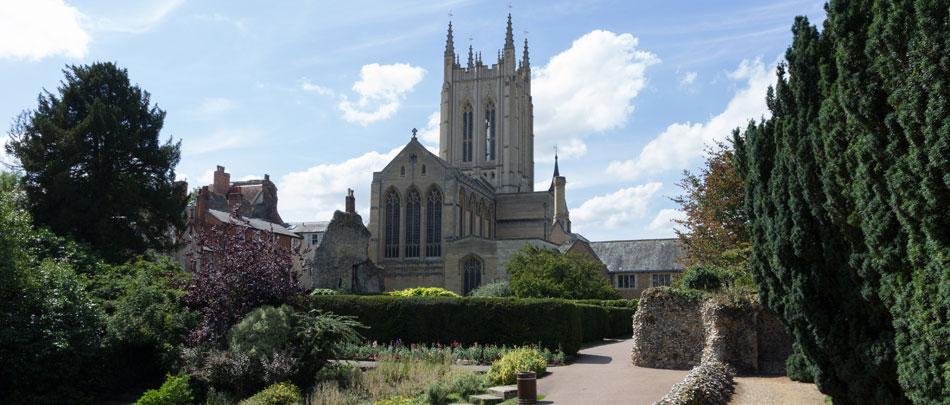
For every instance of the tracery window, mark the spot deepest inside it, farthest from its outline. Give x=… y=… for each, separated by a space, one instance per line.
x=490 y=130
x=471 y=215
x=467 y=125
x=413 y=220
x=434 y=223
x=461 y=201
x=472 y=274
x=391 y=246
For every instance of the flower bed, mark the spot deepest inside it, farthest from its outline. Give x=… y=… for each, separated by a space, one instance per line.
x=473 y=354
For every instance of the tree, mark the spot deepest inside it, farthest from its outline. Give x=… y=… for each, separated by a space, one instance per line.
x=714 y=202
x=8 y=181
x=94 y=168
x=236 y=269
x=847 y=194
x=537 y=272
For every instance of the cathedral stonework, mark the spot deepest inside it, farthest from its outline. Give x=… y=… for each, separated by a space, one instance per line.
x=453 y=220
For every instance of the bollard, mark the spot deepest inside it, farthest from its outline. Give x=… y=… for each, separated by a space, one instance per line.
x=527 y=388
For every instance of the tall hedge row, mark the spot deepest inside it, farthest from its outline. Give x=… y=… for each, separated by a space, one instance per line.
x=847 y=191
x=552 y=323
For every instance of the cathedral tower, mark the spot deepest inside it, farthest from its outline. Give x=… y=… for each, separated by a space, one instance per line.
x=487 y=128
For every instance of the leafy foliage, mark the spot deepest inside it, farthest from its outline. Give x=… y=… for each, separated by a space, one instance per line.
x=9 y=181
x=714 y=203
x=175 y=391
x=263 y=331
x=47 y=317
x=235 y=270
x=423 y=292
x=283 y=393
x=708 y=278
x=847 y=192
x=496 y=289
x=537 y=272
x=505 y=370
x=321 y=334
x=94 y=168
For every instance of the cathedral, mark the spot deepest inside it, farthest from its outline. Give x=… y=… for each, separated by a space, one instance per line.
x=452 y=220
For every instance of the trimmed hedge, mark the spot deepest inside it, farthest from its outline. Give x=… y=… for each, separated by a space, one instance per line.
x=552 y=323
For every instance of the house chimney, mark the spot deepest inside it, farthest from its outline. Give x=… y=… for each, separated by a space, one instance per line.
x=201 y=206
x=222 y=181
x=350 y=201
x=560 y=203
x=234 y=198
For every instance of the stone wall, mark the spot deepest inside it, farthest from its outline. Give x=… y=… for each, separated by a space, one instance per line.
x=679 y=331
x=341 y=260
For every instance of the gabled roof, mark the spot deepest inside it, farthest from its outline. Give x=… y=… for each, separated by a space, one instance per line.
x=639 y=255
x=255 y=223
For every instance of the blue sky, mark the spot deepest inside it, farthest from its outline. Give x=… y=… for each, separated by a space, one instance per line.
x=320 y=94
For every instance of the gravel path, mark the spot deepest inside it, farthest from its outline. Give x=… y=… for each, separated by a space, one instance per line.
x=774 y=390
x=603 y=374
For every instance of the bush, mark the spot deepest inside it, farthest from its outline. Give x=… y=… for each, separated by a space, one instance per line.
x=546 y=273
x=467 y=384
x=621 y=303
x=323 y=291
x=551 y=323
x=701 y=277
x=798 y=368
x=436 y=393
x=263 y=331
x=423 y=292
x=505 y=371
x=283 y=393
x=175 y=391
x=496 y=289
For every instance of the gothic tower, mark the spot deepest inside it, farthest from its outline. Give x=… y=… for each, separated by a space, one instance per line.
x=487 y=127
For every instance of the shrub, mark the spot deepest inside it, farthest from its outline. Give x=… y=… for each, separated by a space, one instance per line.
x=546 y=273
x=319 y=336
x=701 y=277
x=436 y=393
x=798 y=368
x=283 y=393
x=323 y=291
x=466 y=384
x=263 y=331
x=424 y=292
x=496 y=289
x=175 y=391
x=505 y=371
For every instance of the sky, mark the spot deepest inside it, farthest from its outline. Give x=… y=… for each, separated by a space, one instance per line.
x=320 y=94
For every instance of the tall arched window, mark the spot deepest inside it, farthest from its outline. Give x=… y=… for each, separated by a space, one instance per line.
x=471 y=274
x=483 y=227
x=434 y=223
x=491 y=220
x=391 y=247
x=490 y=130
x=461 y=201
x=413 y=223
x=471 y=215
x=467 y=125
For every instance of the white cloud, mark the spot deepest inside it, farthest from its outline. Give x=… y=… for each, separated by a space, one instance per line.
x=680 y=143
x=213 y=106
x=615 y=209
x=239 y=24
x=688 y=79
x=587 y=89
x=223 y=139
x=197 y=181
x=381 y=89
x=36 y=29
x=309 y=86
x=133 y=17
x=431 y=133
x=314 y=194
x=663 y=222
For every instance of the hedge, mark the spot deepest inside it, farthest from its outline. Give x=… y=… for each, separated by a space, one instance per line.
x=552 y=323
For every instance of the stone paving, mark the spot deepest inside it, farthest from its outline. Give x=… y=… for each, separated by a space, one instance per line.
x=603 y=374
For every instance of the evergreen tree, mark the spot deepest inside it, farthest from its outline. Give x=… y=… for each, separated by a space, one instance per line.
x=94 y=168
x=847 y=190
x=537 y=272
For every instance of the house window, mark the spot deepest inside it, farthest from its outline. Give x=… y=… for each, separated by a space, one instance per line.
x=434 y=223
x=315 y=239
x=467 y=125
x=472 y=272
x=391 y=247
x=490 y=130
x=402 y=171
x=423 y=170
x=413 y=220
x=661 y=280
x=627 y=281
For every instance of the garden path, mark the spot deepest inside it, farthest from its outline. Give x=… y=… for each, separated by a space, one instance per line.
x=604 y=374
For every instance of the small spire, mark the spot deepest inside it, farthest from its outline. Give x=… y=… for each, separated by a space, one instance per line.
x=524 y=59
x=557 y=172
x=471 y=59
x=414 y=133
x=450 y=42
x=509 y=38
